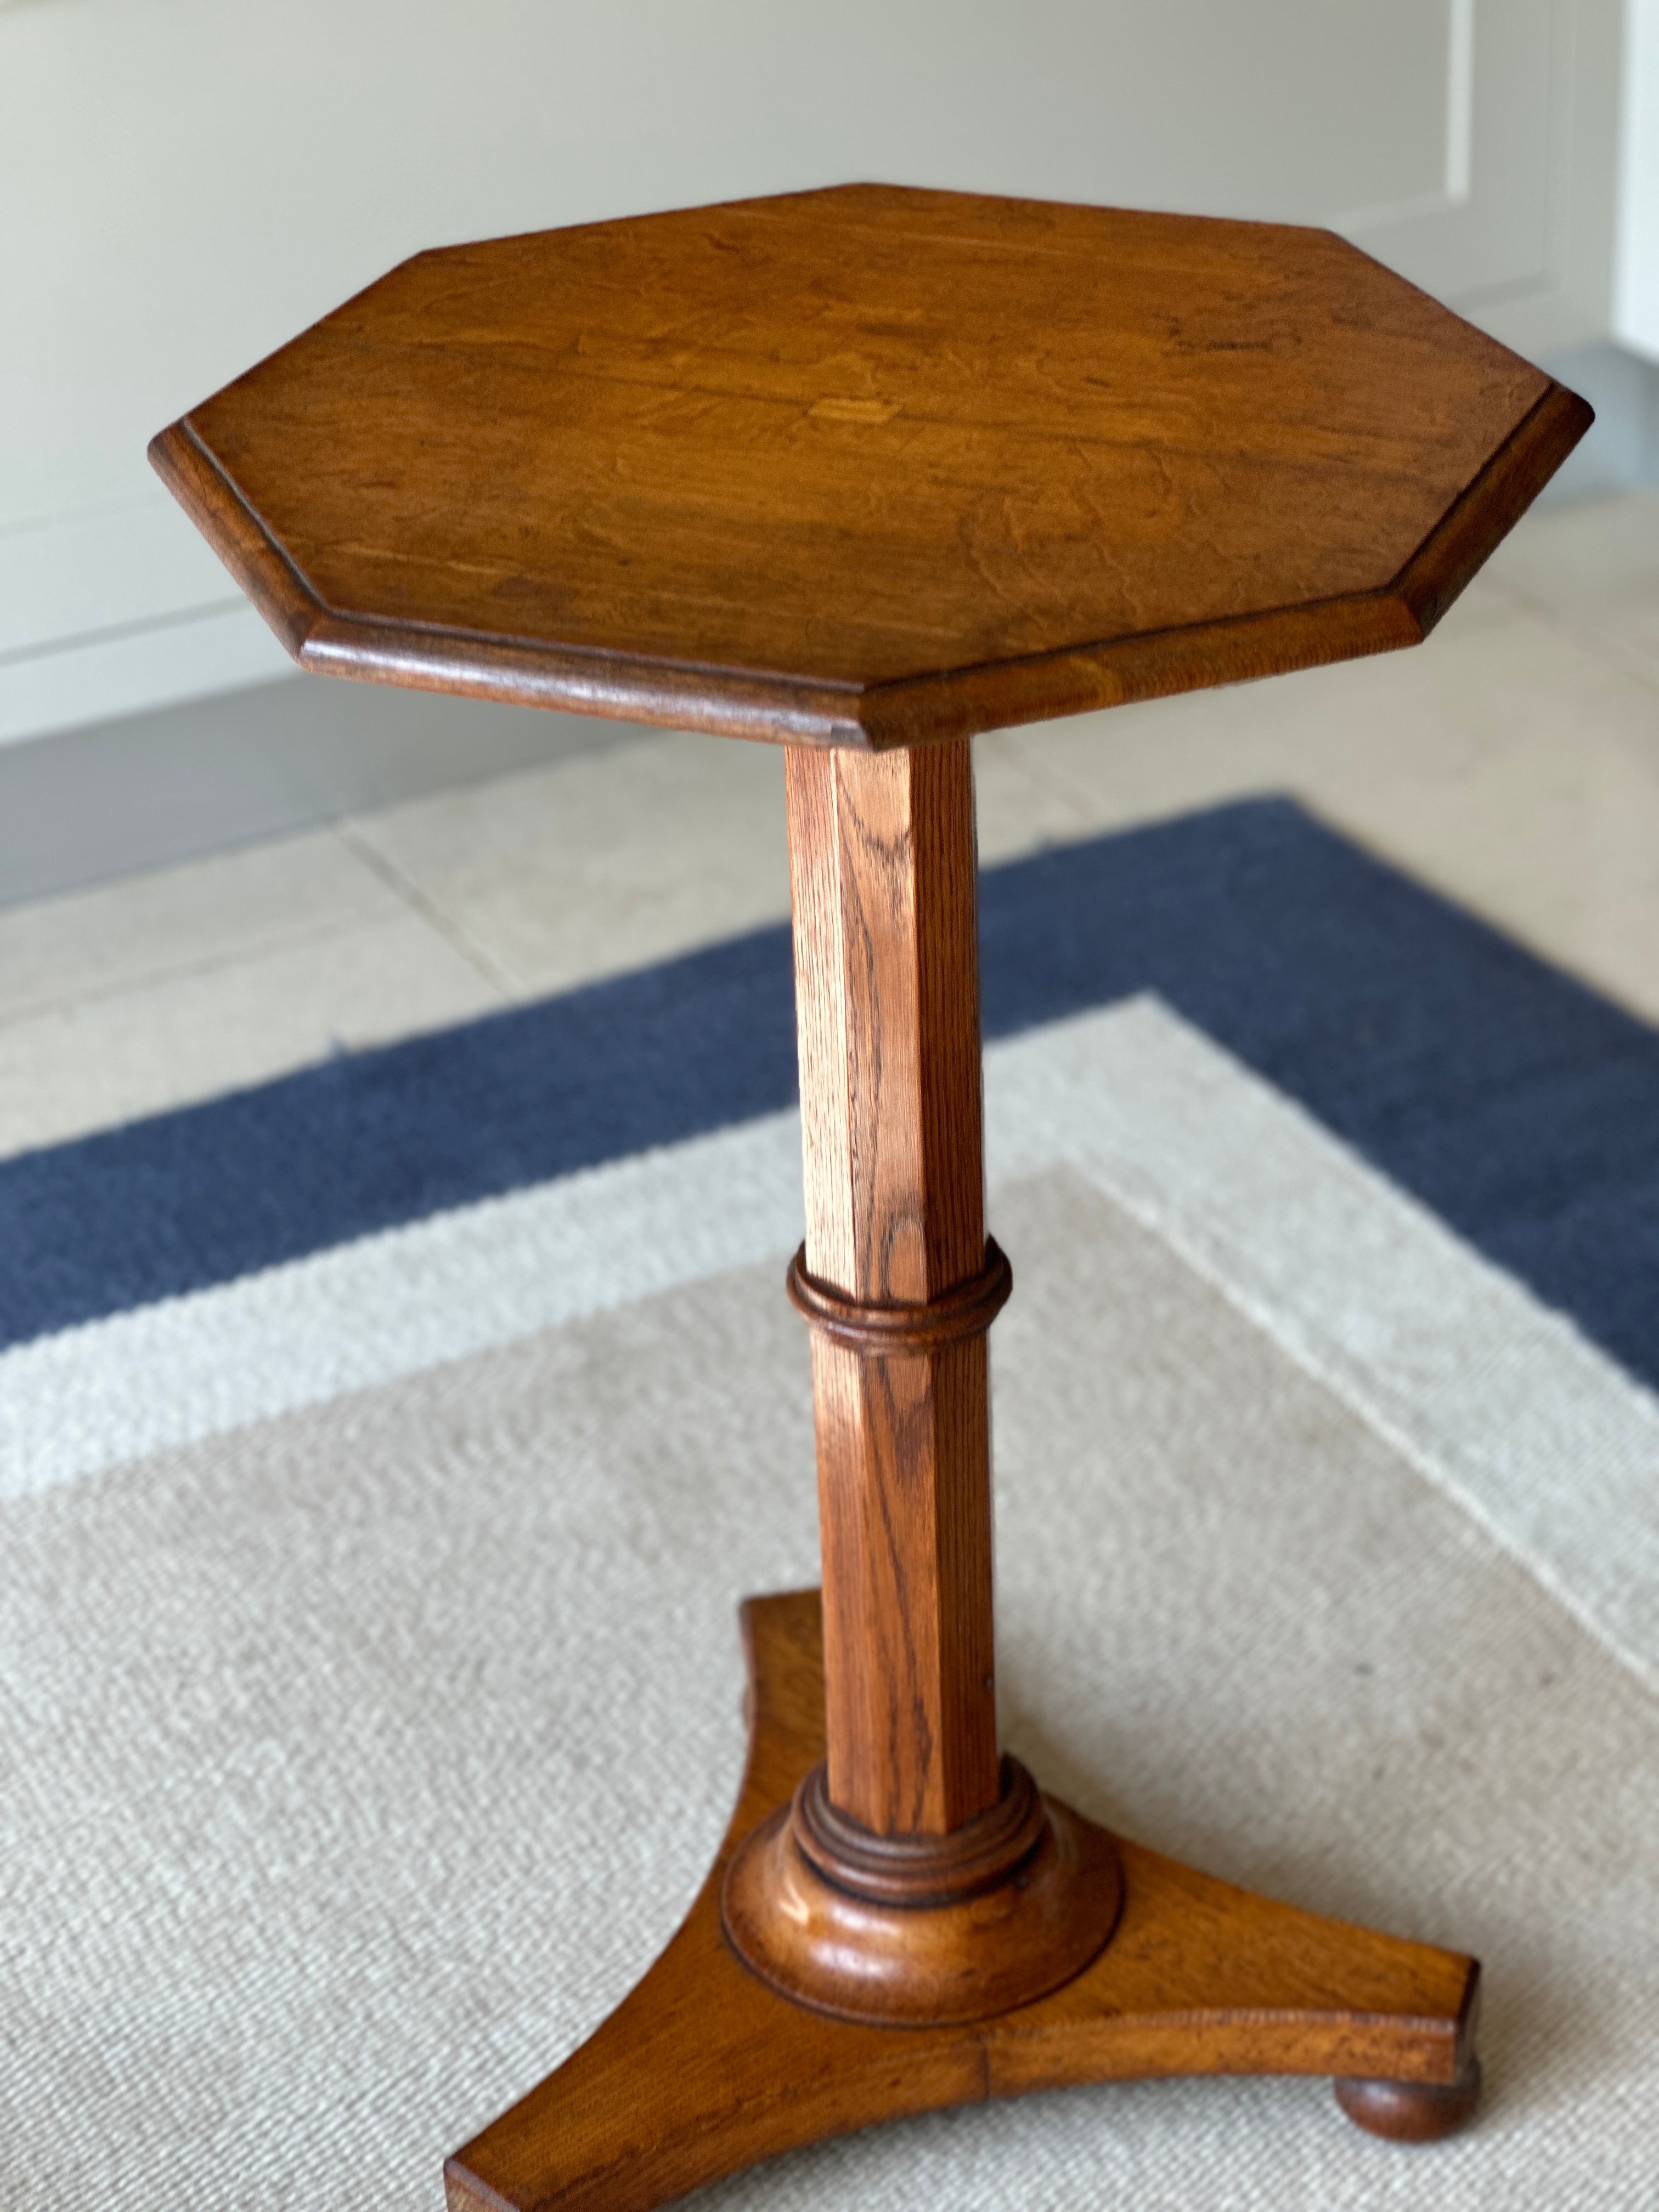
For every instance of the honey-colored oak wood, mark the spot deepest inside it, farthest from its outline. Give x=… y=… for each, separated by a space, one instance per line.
x=882 y=867
x=914 y=1877
x=703 y=2069
x=869 y=467
x=972 y=1931
x=864 y=472
x=883 y=882
x=1411 y=2112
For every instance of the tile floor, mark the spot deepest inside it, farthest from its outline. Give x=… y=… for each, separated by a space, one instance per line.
x=1512 y=762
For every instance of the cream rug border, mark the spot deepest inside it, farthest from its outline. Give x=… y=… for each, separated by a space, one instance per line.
x=1502 y=1404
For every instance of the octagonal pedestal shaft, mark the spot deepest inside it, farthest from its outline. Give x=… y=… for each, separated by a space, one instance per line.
x=882 y=865
x=915 y=1877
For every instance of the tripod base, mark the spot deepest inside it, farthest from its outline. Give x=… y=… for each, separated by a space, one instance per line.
x=704 y=2069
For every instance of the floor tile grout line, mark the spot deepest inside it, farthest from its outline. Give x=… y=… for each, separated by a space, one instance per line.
x=1591 y=642
x=358 y=842
x=184 y=971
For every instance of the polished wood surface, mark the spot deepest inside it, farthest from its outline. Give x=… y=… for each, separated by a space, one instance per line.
x=868 y=466
x=864 y=472
x=883 y=886
x=882 y=867
x=703 y=2069
x=976 y=1931
x=1411 y=2112
x=914 y=1877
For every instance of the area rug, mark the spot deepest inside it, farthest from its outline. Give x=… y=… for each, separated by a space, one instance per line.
x=385 y=1451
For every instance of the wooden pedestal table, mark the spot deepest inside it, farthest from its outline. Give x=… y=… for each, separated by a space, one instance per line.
x=864 y=472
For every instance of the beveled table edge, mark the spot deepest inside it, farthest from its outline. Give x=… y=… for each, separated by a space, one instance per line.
x=905 y=711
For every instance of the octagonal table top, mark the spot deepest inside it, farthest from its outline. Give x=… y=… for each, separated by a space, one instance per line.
x=869 y=465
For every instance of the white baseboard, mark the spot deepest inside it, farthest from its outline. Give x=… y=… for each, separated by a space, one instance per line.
x=108 y=611
x=82 y=805
x=1636 y=281
x=165 y=664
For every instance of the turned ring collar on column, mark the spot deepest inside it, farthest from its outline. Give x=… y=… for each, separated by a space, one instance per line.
x=920 y=1870
x=966 y=1310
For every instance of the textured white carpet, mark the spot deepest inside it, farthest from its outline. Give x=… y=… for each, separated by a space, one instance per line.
x=337 y=1730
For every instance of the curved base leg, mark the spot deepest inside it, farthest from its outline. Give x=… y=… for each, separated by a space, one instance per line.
x=704 y=2069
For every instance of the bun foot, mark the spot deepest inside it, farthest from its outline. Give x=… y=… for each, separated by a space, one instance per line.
x=1411 y=2112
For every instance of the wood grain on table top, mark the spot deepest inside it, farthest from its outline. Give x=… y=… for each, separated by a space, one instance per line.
x=868 y=465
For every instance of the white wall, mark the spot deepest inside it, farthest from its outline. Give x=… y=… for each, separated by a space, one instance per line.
x=1636 y=304
x=185 y=183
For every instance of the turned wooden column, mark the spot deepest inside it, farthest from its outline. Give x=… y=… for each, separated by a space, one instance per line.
x=913 y=1876
x=883 y=867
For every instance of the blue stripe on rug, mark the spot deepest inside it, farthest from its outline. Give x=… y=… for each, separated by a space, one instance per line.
x=1521 y=1107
